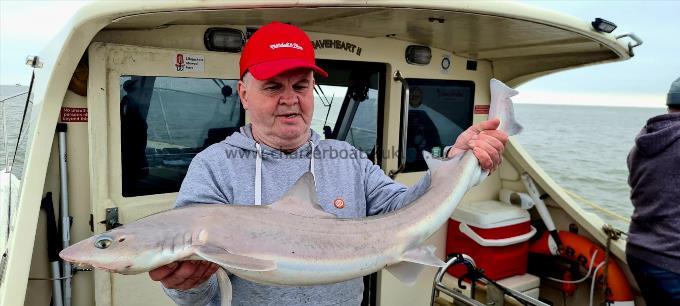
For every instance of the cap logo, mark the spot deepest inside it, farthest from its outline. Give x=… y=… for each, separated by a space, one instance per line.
x=286 y=45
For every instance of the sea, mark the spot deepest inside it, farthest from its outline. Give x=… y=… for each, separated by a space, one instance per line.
x=582 y=148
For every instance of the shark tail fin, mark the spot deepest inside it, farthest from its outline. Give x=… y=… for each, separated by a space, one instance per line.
x=501 y=107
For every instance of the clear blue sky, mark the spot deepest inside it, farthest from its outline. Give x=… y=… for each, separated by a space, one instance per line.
x=25 y=26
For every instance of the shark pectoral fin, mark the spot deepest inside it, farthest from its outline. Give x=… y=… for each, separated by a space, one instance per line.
x=406 y=272
x=227 y=260
x=301 y=199
x=413 y=262
x=423 y=255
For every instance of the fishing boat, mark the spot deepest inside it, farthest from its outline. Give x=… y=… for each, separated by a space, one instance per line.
x=128 y=92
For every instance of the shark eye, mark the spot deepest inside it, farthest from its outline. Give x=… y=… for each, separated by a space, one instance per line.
x=103 y=242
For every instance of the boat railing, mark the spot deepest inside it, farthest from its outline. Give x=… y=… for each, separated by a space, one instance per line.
x=495 y=292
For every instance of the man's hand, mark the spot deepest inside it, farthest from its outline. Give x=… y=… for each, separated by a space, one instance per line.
x=485 y=141
x=184 y=275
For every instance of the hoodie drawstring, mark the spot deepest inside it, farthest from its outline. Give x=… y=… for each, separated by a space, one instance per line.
x=258 y=175
x=311 y=161
x=258 y=170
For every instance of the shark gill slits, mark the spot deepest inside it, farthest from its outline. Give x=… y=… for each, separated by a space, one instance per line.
x=103 y=242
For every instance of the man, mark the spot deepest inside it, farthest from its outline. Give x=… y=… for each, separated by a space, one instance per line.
x=269 y=155
x=653 y=250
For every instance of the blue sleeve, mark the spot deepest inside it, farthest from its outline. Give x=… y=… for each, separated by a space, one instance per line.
x=200 y=183
x=384 y=195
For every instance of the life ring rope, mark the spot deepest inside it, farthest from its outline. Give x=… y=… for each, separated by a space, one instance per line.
x=580 y=249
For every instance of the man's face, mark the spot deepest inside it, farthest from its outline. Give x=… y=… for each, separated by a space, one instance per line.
x=280 y=108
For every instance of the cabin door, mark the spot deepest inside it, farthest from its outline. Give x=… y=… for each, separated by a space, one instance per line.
x=151 y=110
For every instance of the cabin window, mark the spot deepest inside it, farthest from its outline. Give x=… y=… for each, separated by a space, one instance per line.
x=439 y=111
x=165 y=121
x=347 y=104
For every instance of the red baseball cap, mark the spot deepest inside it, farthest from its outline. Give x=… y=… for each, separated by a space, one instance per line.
x=276 y=48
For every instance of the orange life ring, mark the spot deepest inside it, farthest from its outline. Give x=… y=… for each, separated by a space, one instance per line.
x=581 y=250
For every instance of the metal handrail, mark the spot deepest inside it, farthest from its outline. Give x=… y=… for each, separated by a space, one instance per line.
x=631 y=46
x=404 y=127
x=439 y=286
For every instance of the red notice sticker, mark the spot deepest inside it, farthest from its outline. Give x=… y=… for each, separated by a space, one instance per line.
x=481 y=109
x=73 y=114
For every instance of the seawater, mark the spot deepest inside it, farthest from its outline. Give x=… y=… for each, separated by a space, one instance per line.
x=584 y=149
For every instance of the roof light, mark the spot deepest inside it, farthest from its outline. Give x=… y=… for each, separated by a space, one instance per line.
x=418 y=55
x=224 y=40
x=602 y=25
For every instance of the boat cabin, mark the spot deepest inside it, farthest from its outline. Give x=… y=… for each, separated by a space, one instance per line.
x=131 y=91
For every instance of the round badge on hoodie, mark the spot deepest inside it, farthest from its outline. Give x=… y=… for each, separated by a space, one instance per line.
x=339 y=203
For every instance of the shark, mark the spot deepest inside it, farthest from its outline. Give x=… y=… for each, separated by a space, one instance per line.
x=293 y=241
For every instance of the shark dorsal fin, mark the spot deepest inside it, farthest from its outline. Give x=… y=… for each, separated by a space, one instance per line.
x=301 y=199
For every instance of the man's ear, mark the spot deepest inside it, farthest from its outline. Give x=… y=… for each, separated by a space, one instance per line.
x=242 y=93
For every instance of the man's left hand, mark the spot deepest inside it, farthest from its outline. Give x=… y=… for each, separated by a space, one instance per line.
x=485 y=141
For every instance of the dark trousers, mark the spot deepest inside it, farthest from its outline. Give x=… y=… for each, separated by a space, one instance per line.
x=658 y=286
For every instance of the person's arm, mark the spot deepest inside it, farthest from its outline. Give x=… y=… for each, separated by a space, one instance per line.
x=384 y=195
x=200 y=185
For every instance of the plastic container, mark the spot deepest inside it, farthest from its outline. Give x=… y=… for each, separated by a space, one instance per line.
x=496 y=235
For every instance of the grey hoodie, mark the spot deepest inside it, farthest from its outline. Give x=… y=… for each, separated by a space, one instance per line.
x=231 y=171
x=654 y=165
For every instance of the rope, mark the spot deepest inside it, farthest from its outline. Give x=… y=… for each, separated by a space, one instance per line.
x=612 y=234
x=590 y=269
x=598 y=207
x=592 y=283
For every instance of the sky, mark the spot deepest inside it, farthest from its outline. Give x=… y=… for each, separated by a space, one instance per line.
x=26 y=26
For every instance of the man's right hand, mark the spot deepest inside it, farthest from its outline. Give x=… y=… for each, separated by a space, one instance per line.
x=184 y=275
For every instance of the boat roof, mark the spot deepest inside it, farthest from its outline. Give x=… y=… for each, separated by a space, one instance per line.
x=523 y=42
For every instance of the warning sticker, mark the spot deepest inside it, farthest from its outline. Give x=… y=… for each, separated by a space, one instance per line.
x=73 y=114
x=188 y=62
x=481 y=109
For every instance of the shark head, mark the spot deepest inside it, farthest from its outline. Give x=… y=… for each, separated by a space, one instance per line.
x=121 y=250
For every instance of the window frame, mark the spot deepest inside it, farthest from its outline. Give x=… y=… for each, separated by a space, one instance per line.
x=135 y=190
x=422 y=81
x=381 y=68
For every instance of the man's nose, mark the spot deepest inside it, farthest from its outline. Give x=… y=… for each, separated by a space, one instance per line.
x=289 y=96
